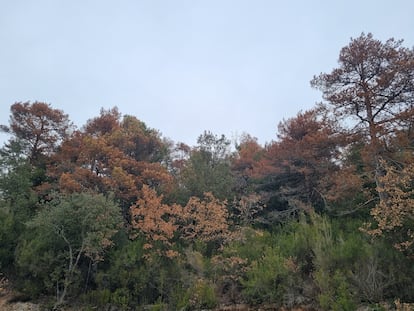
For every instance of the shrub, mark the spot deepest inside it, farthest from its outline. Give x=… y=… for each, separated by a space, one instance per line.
x=202 y=295
x=265 y=279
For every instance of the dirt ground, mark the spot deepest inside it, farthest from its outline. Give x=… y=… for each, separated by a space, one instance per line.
x=7 y=299
x=7 y=303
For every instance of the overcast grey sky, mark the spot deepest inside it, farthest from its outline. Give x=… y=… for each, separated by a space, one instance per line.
x=182 y=67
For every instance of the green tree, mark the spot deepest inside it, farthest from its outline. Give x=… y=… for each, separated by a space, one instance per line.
x=208 y=168
x=17 y=200
x=65 y=232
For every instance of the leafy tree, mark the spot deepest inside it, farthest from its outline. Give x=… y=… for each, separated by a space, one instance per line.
x=249 y=153
x=40 y=127
x=128 y=134
x=161 y=224
x=17 y=200
x=179 y=154
x=65 y=232
x=155 y=220
x=208 y=168
x=107 y=122
x=247 y=164
x=394 y=216
x=374 y=85
x=138 y=141
x=308 y=147
x=16 y=176
x=111 y=155
x=205 y=219
x=351 y=188
x=295 y=170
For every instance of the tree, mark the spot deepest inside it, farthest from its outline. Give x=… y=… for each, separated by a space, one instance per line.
x=111 y=155
x=107 y=122
x=374 y=85
x=39 y=126
x=205 y=219
x=394 y=217
x=208 y=168
x=156 y=221
x=299 y=164
x=17 y=200
x=139 y=141
x=247 y=159
x=66 y=231
x=179 y=155
x=247 y=164
x=161 y=224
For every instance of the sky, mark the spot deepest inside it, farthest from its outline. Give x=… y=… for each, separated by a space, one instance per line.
x=183 y=67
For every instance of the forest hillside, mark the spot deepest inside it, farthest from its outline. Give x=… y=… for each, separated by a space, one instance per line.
x=114 y=216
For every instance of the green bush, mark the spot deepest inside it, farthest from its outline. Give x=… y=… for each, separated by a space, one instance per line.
x=121 y=298
x=8 y=238
x=99 y=298
x=145 y=277
x=266 y=277
x=335 y=293
x=179 y=298
x=202 y=295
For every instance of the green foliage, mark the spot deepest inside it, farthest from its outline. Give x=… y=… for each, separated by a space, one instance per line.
x=335 y=293
x=250 y=245
x=74 y=245
x=17 y=200
x=121 y=298
x=135 y=276
x=100 y=298
x=124 y=265
x=310 y=261
x=65 y=233
x=332 y=259
x=16 y=181
x=208 y=168
x=180 y=298
x=8 y=238
x=265 y=278
x=158 y=307
x=39 y=263
x=202 y=295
